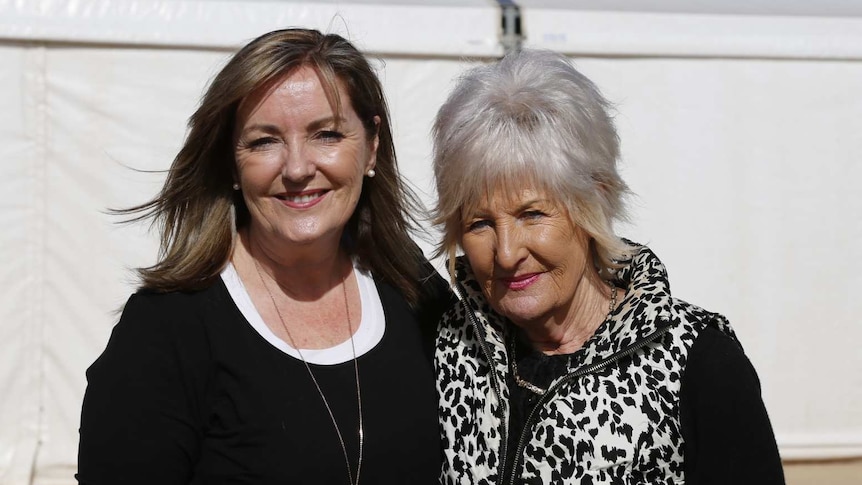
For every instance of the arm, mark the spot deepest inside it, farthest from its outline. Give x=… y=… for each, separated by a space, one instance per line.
x=727 y=433
x=138 y=422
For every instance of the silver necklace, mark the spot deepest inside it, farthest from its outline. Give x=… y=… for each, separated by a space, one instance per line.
x=314 y=380
x=513 y=360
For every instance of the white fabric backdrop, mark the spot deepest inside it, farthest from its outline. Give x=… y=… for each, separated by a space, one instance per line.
x=744 y=165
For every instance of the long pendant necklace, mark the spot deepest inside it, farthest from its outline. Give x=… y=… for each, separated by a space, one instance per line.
x=314 y=380
x=514 y=363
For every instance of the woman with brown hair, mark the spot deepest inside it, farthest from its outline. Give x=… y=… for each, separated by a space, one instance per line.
x=278 y=338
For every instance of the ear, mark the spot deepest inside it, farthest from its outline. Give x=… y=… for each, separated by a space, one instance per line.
x=372 y=146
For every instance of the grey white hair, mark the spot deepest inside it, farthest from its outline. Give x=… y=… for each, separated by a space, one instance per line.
x=532 y=119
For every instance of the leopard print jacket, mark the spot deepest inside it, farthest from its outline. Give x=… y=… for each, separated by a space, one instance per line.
x=613 y=418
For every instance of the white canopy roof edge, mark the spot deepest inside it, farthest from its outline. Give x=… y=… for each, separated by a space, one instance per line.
x=649 y=34
x=442 y=28
x=420 y=28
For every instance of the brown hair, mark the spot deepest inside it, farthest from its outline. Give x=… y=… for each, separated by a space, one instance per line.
x=198 y=212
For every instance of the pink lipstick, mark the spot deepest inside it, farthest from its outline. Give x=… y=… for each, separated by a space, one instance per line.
x=302 y=200
x=520 y=282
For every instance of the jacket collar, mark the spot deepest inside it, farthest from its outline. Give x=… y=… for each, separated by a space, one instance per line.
x=644 y=309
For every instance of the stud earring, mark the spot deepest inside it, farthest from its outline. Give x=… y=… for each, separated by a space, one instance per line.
x=371 y=173
x=236 y=185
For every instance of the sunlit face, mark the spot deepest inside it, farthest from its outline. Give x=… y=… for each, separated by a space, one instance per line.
x=299 y=167
x=527 y=255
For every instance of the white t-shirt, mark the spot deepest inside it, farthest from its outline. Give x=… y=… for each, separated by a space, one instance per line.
x=372 y=323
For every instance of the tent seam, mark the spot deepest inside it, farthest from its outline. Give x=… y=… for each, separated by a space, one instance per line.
x=40 y=221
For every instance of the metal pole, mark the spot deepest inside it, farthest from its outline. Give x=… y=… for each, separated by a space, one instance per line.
x=510 y=17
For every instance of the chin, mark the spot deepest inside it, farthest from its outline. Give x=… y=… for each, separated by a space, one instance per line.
x=309 y=233
x=521 y=313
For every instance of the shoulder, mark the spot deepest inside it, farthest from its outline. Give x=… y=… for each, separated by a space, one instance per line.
x=156 y=327
x=717 y=358
x=146 y=393
x=435 y=294
x=435 y=297
x=175 y=312
x=715 y=363
x=726 y=428
x=181 y=301
x=718 y=373
x=696 y=319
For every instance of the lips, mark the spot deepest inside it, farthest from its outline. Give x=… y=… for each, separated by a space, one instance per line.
x=302 y=200
x=520 y=282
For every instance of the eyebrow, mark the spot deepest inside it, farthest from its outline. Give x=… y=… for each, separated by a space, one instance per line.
x=320 y=123
x=478 y=211
x=531 y=202
x=314 y=125
x=266 y=128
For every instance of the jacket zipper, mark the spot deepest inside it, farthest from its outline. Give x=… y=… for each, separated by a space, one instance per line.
x=504 y=440
x=578 y=373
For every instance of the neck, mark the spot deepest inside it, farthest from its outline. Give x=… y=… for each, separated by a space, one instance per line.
x=304 y=274
x=566 y=333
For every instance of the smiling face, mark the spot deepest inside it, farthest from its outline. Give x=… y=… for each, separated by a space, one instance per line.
x=527 y=255
x=300 y=165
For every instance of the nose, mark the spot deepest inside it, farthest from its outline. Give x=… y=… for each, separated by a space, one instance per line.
x=298 y=163
x=511 y=250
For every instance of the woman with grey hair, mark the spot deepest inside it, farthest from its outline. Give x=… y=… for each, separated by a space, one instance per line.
x=568 y=360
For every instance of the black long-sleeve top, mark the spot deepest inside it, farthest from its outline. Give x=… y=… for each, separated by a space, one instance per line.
x=187 y=392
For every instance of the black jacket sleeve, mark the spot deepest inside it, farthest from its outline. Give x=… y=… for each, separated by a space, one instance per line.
x=139 y=423
x=727 y=433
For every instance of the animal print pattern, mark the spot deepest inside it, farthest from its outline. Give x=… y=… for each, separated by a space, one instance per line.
x=614 y=419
